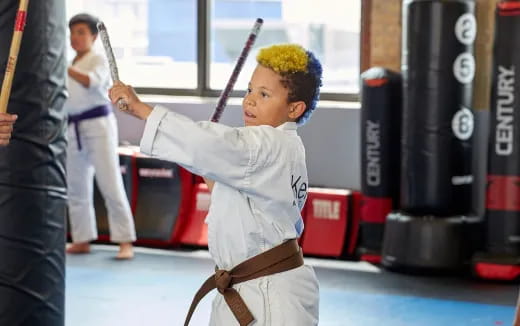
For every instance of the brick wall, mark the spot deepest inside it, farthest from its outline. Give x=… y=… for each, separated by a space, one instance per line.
x=381 y=34
x=483 y=53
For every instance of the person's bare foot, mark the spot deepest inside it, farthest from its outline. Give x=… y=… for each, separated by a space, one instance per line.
x=79 y=248
x=126 y=251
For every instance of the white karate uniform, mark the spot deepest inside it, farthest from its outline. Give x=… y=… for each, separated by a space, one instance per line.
x=98 y=157
x=260 y=187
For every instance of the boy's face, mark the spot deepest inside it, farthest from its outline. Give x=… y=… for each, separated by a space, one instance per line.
x=266 y=100
x=81 y=38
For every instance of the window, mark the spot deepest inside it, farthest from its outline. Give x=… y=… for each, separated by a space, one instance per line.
x=154 y=41
x=162 y=46
x=329 y=28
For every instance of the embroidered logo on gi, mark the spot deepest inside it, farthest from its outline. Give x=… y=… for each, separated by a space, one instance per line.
x=299 y=188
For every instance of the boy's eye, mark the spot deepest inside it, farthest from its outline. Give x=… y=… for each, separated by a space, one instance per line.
x=264 y=94
x=248 y=90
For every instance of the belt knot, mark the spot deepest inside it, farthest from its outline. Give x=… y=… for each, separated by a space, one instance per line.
x=222 y=280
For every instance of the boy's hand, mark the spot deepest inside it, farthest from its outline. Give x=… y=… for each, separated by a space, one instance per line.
x=6 y=127
x=126 y=93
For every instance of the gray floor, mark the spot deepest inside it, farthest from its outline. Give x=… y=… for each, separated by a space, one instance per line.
x=156 y=289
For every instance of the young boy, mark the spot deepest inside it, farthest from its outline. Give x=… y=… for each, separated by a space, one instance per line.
x=260 y=186
x=92 y=147
x=6 y=127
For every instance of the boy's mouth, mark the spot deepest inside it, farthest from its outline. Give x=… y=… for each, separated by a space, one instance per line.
x=249 y=114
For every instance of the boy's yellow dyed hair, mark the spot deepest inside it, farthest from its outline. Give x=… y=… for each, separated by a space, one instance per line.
x=301 y=73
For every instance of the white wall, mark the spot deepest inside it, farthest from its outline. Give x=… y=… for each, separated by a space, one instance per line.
x=331 y=137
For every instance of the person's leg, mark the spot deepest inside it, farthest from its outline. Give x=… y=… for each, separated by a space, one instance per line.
x=80 y=176
x=110 y=182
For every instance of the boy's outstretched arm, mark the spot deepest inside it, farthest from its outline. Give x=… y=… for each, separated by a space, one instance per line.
x=214 y=151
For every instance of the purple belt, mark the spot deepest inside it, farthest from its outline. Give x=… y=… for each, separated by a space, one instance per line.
x=98 y=111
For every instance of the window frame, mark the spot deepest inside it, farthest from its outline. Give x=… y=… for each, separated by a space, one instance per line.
x=203 y=67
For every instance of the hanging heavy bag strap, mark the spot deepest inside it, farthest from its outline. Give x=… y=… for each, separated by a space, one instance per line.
x=279 y=259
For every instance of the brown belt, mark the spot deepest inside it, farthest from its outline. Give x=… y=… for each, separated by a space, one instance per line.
x=279 y=259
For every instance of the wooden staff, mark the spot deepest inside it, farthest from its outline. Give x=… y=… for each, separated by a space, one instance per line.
x=19 y=26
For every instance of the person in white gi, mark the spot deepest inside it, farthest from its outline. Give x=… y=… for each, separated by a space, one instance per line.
x=6 y=127
x=259 y=179
x=92 y=146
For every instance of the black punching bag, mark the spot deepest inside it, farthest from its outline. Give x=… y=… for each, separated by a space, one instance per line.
x=438 y=69
x=32 y=170
x=433 y=232
x=503 y=191
x=501 y=260
x=380 y=153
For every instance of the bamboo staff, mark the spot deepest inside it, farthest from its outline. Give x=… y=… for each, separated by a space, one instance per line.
x=19 y=26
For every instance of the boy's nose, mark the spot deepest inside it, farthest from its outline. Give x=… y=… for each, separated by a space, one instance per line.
x=249 y=102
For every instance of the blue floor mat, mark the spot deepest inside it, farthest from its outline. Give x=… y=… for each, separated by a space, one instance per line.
x=156 y=290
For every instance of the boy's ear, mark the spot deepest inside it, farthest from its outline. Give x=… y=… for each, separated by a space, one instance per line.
x=296 y=109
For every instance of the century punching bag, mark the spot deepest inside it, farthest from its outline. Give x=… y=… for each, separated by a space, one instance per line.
x=503 y=187
x=432 y=229
x=380 y=154
x=32 y=170
x=503 y=191
x=438 y=69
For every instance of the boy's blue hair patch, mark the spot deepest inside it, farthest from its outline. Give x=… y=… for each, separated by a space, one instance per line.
x=315 y=69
